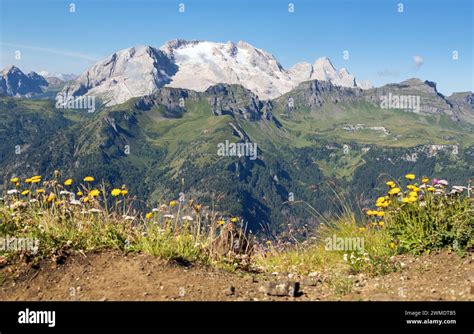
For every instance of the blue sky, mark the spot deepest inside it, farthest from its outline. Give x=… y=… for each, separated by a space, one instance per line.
x=381 y=41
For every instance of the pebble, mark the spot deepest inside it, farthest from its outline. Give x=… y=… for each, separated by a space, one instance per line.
x=281 y=288
x=230 y=291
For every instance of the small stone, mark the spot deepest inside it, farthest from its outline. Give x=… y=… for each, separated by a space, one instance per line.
x=281 y=289
x=470 y=276
x=252 y=279
x=310 y=281
x=3 y=261
x=230 y=291
x=103 y=299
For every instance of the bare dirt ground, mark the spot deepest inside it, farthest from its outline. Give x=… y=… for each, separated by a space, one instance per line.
x=109 y=276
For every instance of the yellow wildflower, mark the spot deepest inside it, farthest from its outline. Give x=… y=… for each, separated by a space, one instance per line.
x=381 y=199
x=431 y=189
x=68 y=182
x=25 y=192
x=412 y=199
x=89 y=179
x=51 y=197
x=197 y=207
x=116 y=192
x=172 y=203
x=85 y=199
x=234 y=219
x=410 y=176
x=394 y=191
x=413 y=194
x=79 y=193
x=149 y=215
x=14 y=180
x=405 y=200
x=35 y=179
x=381 y=223
x=28 y=181
x=40 y=191
x=361 y=229
x=380 y=213
x=392 y=245
x=391 y=184
x=220 y=222
x=94 y=193
x=123 y=192
x=425 y=180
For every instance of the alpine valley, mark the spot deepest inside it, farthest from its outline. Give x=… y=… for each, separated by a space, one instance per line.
x=162 y=113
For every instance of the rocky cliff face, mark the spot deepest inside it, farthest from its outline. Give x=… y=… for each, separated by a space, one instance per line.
x=13 y=82
x=464 y=103
x=125 y=74
x=223 y=99
x=238 y=101
x=198 y=65
x=412 y=95
x=314 y=94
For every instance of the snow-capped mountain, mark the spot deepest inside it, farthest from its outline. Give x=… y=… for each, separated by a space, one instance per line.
x=197 y=65
x=60 y=76
x=128 y=73
x=13 y=82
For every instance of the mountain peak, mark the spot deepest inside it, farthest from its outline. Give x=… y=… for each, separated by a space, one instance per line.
x=324 y=61
x=13 y=82
x=412 y=82
x=11 y=69
x=197 y=65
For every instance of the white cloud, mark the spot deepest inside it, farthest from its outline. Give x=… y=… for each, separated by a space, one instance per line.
x=418 y=60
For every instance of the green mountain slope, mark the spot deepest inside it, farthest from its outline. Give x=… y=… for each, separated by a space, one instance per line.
x=327 y=140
